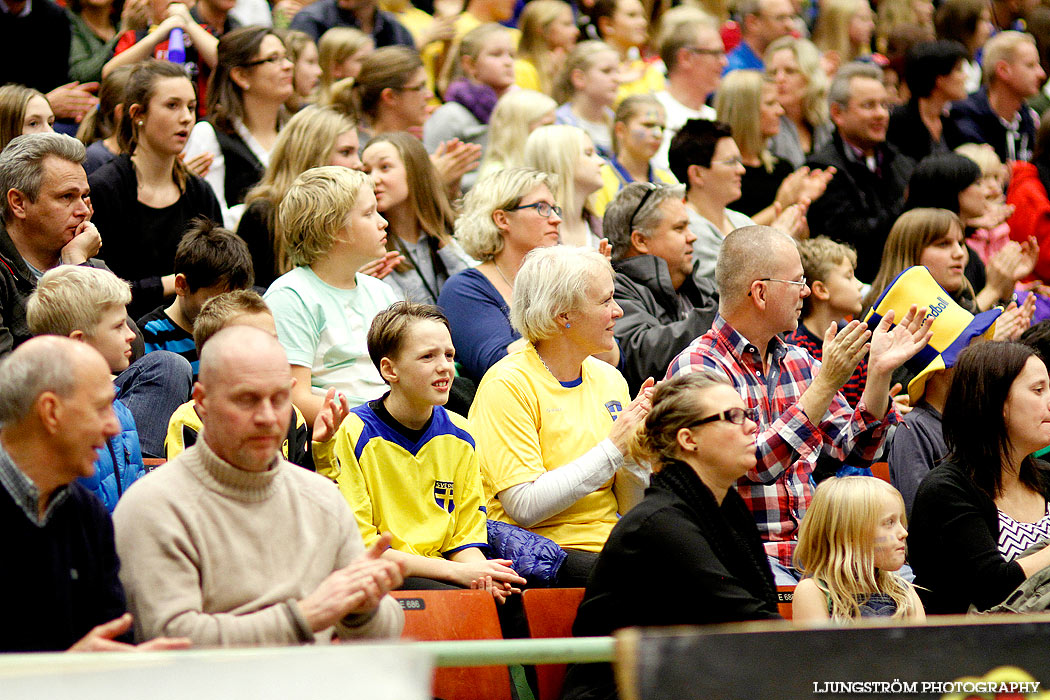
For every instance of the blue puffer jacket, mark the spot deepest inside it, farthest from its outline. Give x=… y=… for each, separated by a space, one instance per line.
x=122 y=456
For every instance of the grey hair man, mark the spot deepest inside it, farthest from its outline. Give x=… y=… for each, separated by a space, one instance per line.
x=867 y=193
x=799 y=408
x=55 y=413
x=295 y=570
x=46 y=221
x=761 y=23
x=665 y=305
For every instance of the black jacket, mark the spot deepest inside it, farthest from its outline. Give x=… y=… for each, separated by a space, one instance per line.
x=34 y=50
x=860 y=206
x=656 y=326
x=317 y=18
x=132 y=249
x=16 y=284
x=908 y=133
x=953 y=544
x=680 y=534
x=243 y=169
x=977 y=123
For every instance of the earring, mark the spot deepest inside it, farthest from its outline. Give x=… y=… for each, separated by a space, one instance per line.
x=140 y=122
x=568 y=326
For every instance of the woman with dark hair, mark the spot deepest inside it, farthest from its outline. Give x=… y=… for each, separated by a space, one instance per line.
x=968 y=22
x=935 y=72
x=144 y=198
x=953 y=182
x=692 y=527
x=411 y=198
x=978 y=511
x=246 y=96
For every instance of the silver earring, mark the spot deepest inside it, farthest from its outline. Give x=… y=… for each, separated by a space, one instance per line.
x=568 y=325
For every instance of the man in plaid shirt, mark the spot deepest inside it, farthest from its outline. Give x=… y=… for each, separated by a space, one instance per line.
x=798 y=399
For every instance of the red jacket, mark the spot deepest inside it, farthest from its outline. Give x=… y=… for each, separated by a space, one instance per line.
x=1031 y=214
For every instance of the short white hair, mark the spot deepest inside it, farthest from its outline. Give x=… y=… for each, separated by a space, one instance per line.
x=552 y=281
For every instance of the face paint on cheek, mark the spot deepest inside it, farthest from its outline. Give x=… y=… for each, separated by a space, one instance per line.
x=639 y=133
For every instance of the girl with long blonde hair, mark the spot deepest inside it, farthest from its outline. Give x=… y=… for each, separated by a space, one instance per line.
x=548 y=33
x=850 y=546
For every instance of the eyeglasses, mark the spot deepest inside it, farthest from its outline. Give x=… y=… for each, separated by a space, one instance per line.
x=731 y=162
x=735 y=416
x=800 y=283
x=275 y=59
x=413 y=88
x=544 y=209
x=650 y=188
x=706 y=52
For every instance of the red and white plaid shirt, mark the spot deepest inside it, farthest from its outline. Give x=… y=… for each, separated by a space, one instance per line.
x=780 y=487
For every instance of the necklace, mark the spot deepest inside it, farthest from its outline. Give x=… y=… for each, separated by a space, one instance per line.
x=504 y=277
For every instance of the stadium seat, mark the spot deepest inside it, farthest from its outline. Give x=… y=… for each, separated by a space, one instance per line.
x=881 y=470
x=456 y=615
x=550 y=613
x=784 y=596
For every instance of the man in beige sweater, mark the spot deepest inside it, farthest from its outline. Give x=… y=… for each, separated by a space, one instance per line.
x=230 y=545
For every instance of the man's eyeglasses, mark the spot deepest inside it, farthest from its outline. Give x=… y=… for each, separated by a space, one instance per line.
x=276 y=59
x=735 y=416
x=544 y=209
x=706 y=52
x=799 y=283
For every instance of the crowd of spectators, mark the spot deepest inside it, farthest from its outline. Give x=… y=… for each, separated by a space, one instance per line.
x=545 y=294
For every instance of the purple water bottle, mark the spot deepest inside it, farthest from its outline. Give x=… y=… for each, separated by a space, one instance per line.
x=176 y=46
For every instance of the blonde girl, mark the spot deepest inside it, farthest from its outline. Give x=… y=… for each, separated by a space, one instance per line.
x=844 y=29
x=340 y=53
x=638 y=130
x=23 y=110
x=306 y=68
x=100 y=127
x=851 y=543
x=484 y=72
x=518 y=113
x=586 y=90
x=568 y=154
x=548 y=34
x=624 y=25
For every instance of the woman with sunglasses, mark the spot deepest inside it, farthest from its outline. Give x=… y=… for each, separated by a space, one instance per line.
x=550 y=421
x=246 y=96
x=691 y=528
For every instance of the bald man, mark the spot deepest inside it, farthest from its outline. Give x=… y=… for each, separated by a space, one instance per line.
x=229 y=544
x=61 y=580
x=799 y=408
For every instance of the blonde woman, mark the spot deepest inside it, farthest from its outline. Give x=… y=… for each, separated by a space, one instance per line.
x=340 y=52
x=568 y=154
x=23 y=110
x=843 y=30
x=850 y=548
x=769 y=184
x=586 y=90
x=548 y=34
x=315 y=136
x=517 y=114
x=306 y=68
x=802 y=90
x=503 y=218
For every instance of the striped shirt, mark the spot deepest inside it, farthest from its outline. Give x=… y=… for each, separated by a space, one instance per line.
x=779 y=489
x=1015 y=536
x=159 y=332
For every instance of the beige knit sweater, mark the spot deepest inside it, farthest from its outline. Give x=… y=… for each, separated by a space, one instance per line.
x=222 y=555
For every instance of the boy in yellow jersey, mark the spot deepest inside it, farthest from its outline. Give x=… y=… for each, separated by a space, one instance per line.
x=246 y=308
x=407 y=466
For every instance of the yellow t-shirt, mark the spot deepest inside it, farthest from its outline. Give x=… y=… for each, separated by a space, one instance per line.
x=526 y=423
x=426 y=493
x=651 y=79
x=415 y=21
x=613 y=182
x=526 y=75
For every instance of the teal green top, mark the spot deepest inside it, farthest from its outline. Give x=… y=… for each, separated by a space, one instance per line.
x=87 y=51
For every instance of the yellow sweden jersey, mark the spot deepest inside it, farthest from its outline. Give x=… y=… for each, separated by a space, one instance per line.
x=526 y=423
x=185 y=425
x=426 y=493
